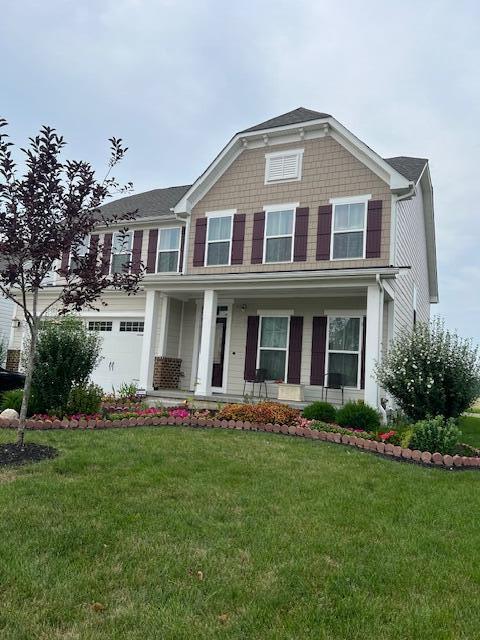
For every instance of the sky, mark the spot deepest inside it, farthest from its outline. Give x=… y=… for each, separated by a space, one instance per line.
x=177 y=78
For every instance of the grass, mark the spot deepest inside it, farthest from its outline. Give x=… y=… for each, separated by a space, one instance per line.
x=294 y=539
x=470 y=428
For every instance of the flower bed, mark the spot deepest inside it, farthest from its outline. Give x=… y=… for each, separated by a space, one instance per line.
x=347 y=437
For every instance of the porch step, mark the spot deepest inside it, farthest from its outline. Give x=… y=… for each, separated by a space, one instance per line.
x=173 y=397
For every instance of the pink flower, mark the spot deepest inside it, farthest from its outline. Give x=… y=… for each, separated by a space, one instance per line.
x=178 y=412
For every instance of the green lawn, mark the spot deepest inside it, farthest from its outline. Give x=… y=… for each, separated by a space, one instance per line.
x=470 y=427
x=295 y=539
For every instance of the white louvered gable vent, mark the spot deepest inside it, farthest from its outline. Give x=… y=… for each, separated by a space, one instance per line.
x=283 y=166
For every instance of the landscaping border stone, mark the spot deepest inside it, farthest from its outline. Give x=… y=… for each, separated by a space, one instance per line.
x=425 y=458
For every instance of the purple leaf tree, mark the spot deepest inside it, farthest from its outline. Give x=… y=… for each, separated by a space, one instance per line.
x=47 y=211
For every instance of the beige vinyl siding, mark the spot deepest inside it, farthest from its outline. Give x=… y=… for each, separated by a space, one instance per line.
x=187 y=343
x=174 y=328
x=6 y=311
x=411 y=251
x=329 y=171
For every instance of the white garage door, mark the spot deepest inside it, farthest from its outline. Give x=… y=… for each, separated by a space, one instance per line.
x=121 y=351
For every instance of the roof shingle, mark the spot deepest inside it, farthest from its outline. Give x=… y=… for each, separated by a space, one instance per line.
x=410 y=168
x=156 y=202
x=291 y=117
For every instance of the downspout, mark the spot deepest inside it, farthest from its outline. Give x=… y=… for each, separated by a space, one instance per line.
x=394 y=220
x=378 y=280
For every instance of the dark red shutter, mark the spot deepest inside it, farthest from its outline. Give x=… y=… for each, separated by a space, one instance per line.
x=324 y=231
x=106 y=253
x=238 y=237
x=319 y=346
x=362 y=354
x=257 y=237
x=65 y=259
x=182 y=250
x=374 y=229
x=295 y=350
x=251 y=347
x=137 y=251
x=152 y=250
x=200 y=240
x=301 y=235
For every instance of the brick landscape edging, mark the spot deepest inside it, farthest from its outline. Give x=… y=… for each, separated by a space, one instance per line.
x=407 y=455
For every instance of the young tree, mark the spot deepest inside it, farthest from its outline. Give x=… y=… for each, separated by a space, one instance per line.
x=46 y=211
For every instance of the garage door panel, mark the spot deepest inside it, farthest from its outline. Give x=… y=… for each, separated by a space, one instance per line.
x=120 y=352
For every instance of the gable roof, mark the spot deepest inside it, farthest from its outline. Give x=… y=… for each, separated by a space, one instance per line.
x=156 y=202
x=291 y=117
x=411 y=168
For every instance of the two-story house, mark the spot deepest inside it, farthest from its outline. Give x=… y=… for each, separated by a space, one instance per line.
x=298 y=251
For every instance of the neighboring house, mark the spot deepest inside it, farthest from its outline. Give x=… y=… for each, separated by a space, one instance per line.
x=5 y=320
x=298 y=250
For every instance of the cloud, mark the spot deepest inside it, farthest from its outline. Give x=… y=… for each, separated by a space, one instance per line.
x=176 y=78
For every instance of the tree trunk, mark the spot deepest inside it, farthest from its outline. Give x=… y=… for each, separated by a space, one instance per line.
x=27 y=389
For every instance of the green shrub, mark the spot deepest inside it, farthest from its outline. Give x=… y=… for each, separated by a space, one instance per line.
x=333 y=428
x=66 y=355
x=12 y=400
x=85 y=398
x=323 y=411
x=358 y=415
x=431 y=371
x=127 y=391
x=406 y=437
x=435 y=435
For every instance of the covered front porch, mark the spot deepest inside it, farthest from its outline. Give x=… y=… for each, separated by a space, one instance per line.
x=300 y=330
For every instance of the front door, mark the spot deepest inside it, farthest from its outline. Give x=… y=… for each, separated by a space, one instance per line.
x=219 y=353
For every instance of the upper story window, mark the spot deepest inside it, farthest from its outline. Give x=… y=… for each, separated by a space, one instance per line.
x=168 y=250
x=283 y=166
x=343 y=354
x=219 y=238
x=121 y=252
x=279 y=226
x=81 y=251
x=349 y=228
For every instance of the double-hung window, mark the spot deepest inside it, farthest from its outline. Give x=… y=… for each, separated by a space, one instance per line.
x=273 y=346
x=168 y=250
x=121 y=252
x=81 y=251
x=219 y=238
x=279 y=226
x=344 y=345
x=349 y=229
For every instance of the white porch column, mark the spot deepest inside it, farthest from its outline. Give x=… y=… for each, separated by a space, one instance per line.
x=205 y=357
x=373 y=342
x=152 y=304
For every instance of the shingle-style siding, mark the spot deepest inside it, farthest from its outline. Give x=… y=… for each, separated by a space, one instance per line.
x=329 y=170
x=411 y=251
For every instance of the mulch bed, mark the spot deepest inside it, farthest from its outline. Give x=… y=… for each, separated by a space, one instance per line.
x=12 y=454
